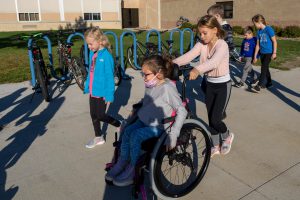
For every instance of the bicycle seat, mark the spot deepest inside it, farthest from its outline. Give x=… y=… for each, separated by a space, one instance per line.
x=150 y=45
x=69 y=44
x=170 y=42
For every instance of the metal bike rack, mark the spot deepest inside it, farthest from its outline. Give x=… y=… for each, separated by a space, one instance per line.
x=191 y=38
x=122 y=50
x=29 y=45
x=86 y=59
x=116 y=40
x=171 y=38
x=124 y=76
x=158 y=35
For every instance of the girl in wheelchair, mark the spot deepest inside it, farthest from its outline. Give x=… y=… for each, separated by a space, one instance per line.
x=161 y=99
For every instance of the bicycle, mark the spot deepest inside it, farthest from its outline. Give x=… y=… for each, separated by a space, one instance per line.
x=181 y=21
x=41 y=81
x=143 y=51
x=69 y=64
x=175 y=173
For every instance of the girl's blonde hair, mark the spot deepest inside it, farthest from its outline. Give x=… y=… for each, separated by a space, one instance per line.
x=211 y=22
x=98 y=35
x=259 y=18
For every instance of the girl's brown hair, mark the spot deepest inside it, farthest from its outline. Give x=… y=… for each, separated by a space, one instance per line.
x=159 y=64
x=211 y=22
x=98 y=35
x=259 y=18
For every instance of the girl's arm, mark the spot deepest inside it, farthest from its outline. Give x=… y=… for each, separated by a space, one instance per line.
x=274 y=55
x=181 y=113
x=256 y=51
x=189 y=56
x=109 y=74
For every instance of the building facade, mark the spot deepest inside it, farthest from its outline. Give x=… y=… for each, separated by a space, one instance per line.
x=162 y=14
x=20 y=15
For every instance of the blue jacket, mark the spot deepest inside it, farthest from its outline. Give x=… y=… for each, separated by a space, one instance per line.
x=248 y=47
x=103 y=83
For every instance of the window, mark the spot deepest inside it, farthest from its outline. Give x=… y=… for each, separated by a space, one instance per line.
x=92 y=16
x=228 y=8
x=28 y=16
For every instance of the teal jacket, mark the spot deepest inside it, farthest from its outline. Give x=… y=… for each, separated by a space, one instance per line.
x=103 y=83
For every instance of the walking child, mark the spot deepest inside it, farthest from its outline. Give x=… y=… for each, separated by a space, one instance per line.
x=267 y=48
x=247 y=53
x=100 y=83
x=214 y=62
x=160 y=100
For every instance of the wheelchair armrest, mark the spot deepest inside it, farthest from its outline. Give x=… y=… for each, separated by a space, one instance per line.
x=168 y=119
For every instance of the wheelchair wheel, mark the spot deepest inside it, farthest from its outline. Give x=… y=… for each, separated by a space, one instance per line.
x=175 y=174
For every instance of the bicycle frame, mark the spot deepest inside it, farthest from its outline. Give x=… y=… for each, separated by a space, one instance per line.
x=31 y=58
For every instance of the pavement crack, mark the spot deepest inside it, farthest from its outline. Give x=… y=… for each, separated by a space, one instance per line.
x=255 y=189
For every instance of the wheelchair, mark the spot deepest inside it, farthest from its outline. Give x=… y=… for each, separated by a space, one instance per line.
x=175 y=173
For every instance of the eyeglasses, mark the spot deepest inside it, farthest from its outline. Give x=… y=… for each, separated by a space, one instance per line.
x=145 y=75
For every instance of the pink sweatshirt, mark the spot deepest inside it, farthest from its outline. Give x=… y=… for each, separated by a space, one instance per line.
x=214 y=63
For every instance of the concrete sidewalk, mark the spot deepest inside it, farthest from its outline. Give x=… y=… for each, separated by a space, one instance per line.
x=43 y=155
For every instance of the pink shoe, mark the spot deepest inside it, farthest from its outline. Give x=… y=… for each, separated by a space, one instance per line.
x=215 y=151
x=226 y=146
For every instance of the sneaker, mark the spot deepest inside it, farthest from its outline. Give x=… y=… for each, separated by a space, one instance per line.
x=254 y=82
x=96 y=141
x=256 y=89
x=214 y=151
x=116 y=170
x=226 y=146
x=239 y=84
x=126 y=177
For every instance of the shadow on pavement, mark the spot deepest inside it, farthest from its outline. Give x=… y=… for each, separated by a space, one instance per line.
x=278 y=90
x=22 y=139
x=122 y=95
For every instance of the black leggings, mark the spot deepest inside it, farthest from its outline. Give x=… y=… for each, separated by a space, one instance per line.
x=216 y=100
x=97 y=111
x=265 y=72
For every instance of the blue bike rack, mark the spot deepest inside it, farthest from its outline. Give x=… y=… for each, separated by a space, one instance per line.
x=158 y=35
x=116 y=41
x=29 y=45
x=191 y=37
x=134 y=49
x=171 y=38
x=86 y=58
x=124 y=76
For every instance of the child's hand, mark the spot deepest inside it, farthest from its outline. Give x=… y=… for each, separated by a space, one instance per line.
x=240 y=59
x=194 y=74
x=274 y=56
x=254 y=60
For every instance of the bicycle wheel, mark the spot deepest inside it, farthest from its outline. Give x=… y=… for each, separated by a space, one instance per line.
x=117 y=75
x=42 y=78
x=175 y=174
x=130 y=58
x=78 y=71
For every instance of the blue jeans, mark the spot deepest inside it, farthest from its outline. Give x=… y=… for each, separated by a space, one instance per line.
x=133 y=137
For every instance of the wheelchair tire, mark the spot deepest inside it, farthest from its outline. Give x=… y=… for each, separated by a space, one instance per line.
x=191 y=159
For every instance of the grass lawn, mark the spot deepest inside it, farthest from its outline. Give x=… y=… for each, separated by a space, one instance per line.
x=14 y=62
